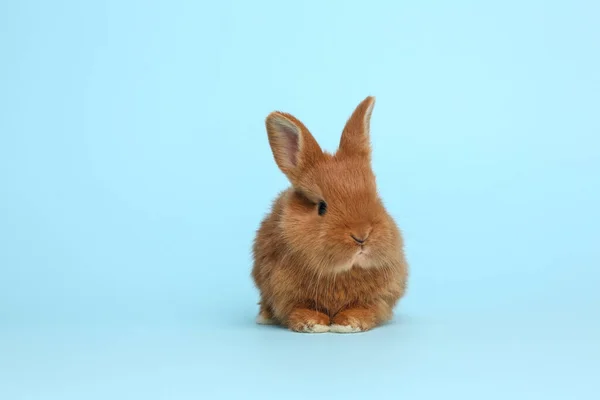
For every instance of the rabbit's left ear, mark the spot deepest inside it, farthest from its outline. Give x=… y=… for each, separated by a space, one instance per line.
x=356 y=135
x=294 y=148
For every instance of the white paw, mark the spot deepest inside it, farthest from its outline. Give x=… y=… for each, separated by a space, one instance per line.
x=262 y=320
x=343 y=329
x=316 y=328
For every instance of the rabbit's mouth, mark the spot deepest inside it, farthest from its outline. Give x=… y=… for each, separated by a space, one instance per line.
x=364 y=250
x=361 y=256
x=360 y=259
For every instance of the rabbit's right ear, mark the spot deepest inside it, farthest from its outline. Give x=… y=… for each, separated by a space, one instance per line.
x=294 y=148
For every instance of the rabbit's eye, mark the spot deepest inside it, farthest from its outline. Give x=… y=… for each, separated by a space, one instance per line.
x=322 y=207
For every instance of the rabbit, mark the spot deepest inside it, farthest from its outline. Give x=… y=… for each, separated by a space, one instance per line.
x=328 y=257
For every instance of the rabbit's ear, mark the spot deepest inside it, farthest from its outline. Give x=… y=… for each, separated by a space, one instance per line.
x=356 y=135
x=294 y=148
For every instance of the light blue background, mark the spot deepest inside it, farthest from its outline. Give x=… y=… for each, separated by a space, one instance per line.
x=134 y=169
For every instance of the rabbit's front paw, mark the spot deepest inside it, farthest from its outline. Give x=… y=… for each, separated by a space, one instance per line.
x=308 y=321
x=353 y=320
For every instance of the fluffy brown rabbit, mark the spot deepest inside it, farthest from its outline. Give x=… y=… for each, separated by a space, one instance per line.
x=328 y=257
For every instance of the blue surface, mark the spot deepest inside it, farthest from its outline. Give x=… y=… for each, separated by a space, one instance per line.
x=134 y=169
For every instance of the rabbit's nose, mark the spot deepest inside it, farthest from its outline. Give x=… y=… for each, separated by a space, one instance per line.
x=360 y=240
x=360 y=233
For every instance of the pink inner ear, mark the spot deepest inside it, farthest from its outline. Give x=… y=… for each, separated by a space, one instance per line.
x=291 y=144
